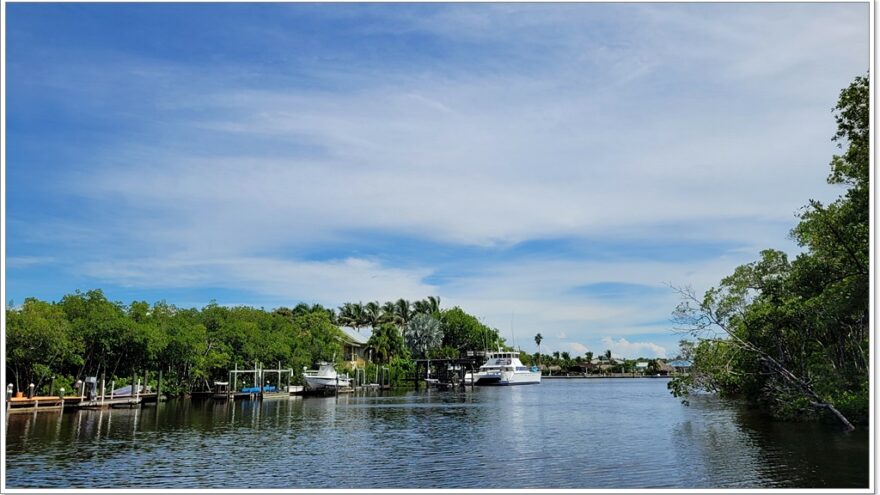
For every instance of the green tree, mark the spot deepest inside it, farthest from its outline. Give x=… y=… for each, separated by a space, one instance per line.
x=423 y=334
x=538 y=339
x=464 y=332
x=386 y=343
x=794 y=334
x=39 y=343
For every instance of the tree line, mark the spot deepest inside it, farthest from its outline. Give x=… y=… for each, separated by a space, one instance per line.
x=85 y=334
x=792 y=335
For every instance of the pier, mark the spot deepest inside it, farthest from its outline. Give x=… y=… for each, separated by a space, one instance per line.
x=448 y=372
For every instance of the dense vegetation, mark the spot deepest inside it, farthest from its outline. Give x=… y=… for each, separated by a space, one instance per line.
x=85 y=334
x=793 y=334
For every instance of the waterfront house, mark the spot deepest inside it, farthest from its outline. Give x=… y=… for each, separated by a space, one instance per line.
x=664 y=368
x=681 y=366
x=642 y=367
x=354 y=347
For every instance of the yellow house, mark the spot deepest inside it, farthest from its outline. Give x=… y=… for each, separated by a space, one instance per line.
x=354 y=346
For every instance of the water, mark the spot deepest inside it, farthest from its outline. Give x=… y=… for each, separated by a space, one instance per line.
x=597 y=433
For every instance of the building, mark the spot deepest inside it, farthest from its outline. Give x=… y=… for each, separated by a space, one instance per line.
x=681 y=365
x=354 y=346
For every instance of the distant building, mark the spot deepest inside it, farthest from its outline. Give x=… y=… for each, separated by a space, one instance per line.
x=664 y=368
x=681 y=365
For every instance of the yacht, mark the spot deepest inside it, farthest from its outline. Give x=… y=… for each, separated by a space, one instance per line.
x=505 y=368
x=325 y=377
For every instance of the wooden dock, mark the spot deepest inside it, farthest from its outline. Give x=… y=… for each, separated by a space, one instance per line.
x=106 y=402
x=34 y=404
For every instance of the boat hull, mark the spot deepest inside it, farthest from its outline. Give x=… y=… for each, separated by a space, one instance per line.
x=506 y=379
x=315 y=382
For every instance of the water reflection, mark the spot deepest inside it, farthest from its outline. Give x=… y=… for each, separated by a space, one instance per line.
x=566 y=434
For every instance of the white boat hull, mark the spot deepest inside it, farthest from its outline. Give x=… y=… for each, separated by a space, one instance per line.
x=508 y=378
x=316 y=382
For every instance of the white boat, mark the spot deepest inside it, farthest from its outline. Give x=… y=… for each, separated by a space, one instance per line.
x=325 y=377
x=505 y=368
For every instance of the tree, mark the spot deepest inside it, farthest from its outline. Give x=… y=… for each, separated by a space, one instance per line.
x=373 y=314
x=794 y=334
x=386 y=343
x=423 y=334
x=39 y=340
x=685 y=350
x=538 y=339
x=464 y=332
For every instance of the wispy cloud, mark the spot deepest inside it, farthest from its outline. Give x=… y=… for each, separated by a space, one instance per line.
x=587 y=153
x=624 y=348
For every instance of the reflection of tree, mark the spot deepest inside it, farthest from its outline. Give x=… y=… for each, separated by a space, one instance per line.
x=725 y=444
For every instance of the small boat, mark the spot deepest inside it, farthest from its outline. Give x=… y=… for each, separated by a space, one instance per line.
x=505 y=368
x=126 y=391
x=325 y=377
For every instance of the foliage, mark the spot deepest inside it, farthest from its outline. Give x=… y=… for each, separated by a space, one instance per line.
x=386 y=343
x=465 y=332
x=423 y=334
x=85 y=334
x=793 y=335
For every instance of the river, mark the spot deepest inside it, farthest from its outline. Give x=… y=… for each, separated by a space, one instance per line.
x=585 y=433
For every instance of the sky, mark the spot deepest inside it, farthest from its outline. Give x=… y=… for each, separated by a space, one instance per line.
x=549 y=168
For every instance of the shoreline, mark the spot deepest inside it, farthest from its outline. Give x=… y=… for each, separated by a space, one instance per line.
x=590 y=377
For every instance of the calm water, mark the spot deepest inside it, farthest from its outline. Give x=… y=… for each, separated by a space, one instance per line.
x=625 y=433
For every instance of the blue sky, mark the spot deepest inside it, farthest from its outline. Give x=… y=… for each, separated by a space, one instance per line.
x=548 y=167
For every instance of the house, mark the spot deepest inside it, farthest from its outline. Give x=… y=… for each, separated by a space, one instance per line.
x=549 y=370
x=664 y=369
x=354 y=346
x=681 y=365
x=642 y=367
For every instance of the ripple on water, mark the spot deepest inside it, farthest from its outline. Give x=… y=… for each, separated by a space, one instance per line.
x=560 y=434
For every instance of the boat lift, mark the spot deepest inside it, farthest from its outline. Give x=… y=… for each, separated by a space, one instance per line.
x=260 y=391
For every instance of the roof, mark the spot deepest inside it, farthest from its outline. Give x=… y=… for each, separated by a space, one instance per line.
x=642 y=364
x=680 y=363
x=664 y=367
x=355 y=337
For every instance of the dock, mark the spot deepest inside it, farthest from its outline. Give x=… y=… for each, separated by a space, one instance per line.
x=34 y=404
x=448 y=372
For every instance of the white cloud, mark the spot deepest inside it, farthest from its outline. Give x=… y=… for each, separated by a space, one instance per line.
x=330 y=282
x=577 y=348
x=627 y=349
x=622 y=135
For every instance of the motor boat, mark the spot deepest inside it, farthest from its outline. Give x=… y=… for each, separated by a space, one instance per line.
x=505 y=368
x=325 y=377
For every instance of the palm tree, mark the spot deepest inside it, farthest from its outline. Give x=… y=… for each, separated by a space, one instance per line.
x=353 y=315
x=373 y=314
x=386 y=343
x=403 y=312
x=538 y=339
x=434 y=304
x=423 y=334
x=388 y=313
x=422 y=307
